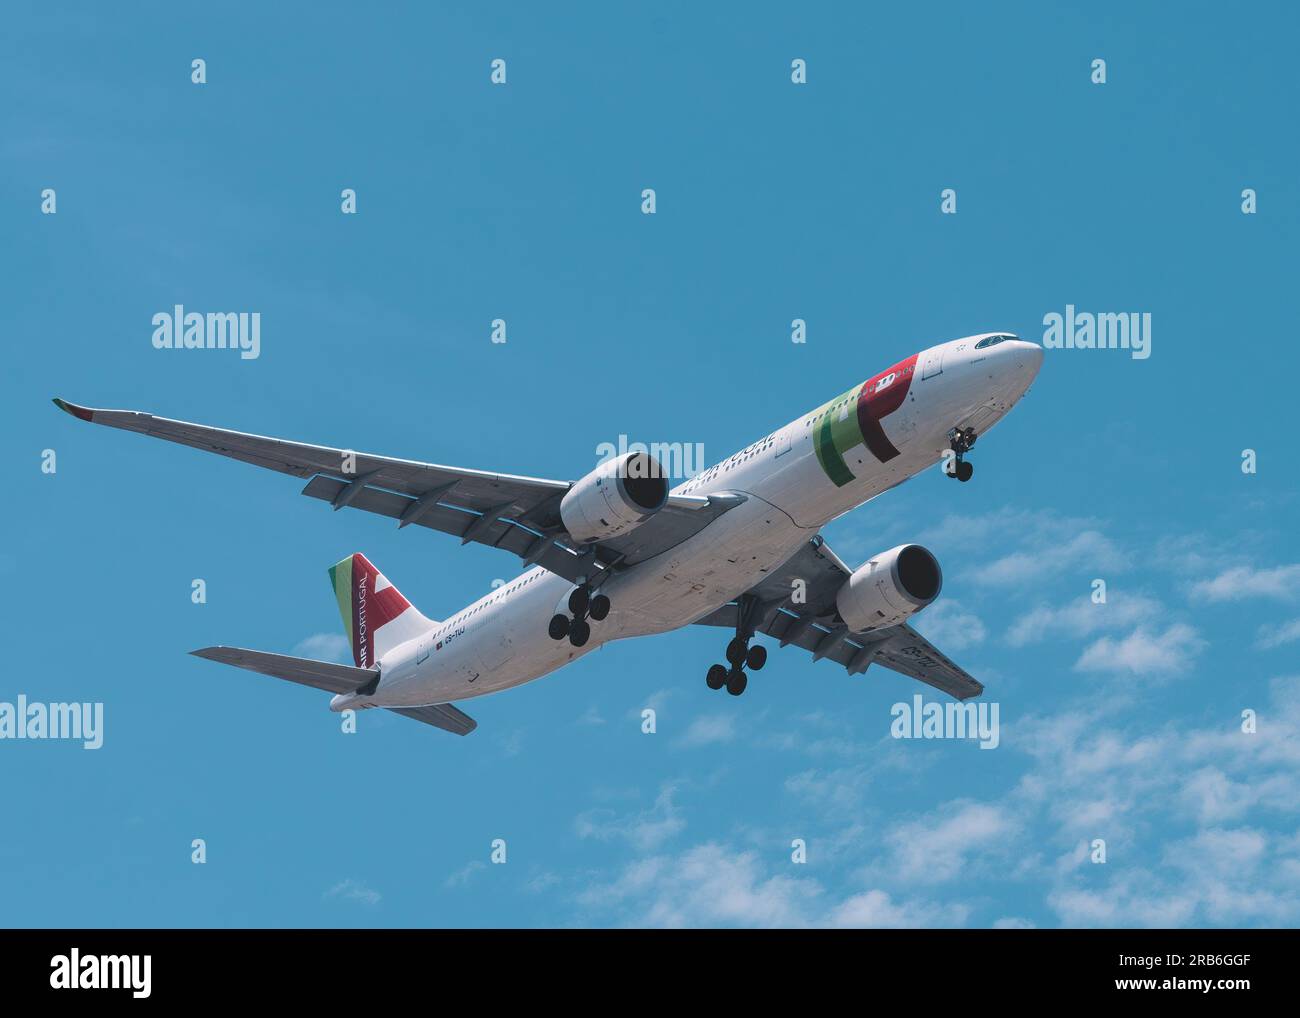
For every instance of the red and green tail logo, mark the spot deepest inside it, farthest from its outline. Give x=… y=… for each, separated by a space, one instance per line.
x=368 y=603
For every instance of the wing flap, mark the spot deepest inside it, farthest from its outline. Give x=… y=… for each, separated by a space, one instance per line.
x=494 y=528
x=909 y=653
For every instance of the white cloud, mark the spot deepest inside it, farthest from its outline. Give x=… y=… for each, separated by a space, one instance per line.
x=1270 y=636
x=1192 y=554
x=1131 y=786
x=1144 y=651
x=1241 y=582
x=950 y=626
x=354 y=890
x=1045 y=543
x=645 y=831
x=1053 y=555
x=324 y=647
x=656 y=702
x=708 y=885
x=708 y=729
x=1132 y=898
x=1081 y=618
x=463 y=875
x=1215 y=797
x=1170 y=777
x=714 y=885
x=1169 y=803
x=876 y=909
x=937 y=847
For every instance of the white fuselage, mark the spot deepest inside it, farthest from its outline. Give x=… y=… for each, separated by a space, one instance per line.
x=501 y=640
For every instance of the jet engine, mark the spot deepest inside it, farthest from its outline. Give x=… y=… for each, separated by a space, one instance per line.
x=889 y=588
x=615 y=498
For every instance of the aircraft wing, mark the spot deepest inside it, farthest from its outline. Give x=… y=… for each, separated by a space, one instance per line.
x=519 y=514
x=815 y=625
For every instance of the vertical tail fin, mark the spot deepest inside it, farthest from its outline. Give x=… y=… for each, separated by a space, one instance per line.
x=376 y=617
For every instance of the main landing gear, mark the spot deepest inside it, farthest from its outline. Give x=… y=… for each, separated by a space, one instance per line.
x=583 y=604
x=960 y=441
x=740 y=655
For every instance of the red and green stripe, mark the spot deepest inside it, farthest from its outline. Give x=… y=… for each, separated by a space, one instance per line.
x=853 y=419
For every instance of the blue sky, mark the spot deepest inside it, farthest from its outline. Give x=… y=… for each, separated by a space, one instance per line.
x=775 y=201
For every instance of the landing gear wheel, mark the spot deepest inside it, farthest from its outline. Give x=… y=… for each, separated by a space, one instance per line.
x=579 y=632
x=960 y=441
x=756 y=658
x=736 y=651
x=559 y=627
x=736 y=682
x=599 y=607
x=579 y=600
x=717 y=677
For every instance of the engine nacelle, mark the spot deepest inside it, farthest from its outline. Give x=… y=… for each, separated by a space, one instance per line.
x=889 y=588
x=616 y=497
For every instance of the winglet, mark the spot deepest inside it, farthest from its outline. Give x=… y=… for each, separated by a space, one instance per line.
x=81 y=412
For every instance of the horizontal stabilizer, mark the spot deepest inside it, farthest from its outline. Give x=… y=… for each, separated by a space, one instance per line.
x=334 y=678
x=440 y=715
x=326 y=675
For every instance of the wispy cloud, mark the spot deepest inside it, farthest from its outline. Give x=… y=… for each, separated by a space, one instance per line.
x=645 y=830
x=354 y=890
x=1241 y=582
x=938 y=847
x=1270 y=636
x=717 y=884
x=1090 y=549
x=1081 y=618
x=465 y=874
x=708 y=729
x=1144 y=651
x=1046 y=544
x=323 y=647
x=951 y=626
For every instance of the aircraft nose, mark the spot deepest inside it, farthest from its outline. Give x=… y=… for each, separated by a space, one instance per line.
x=1021 y=360
x=1029 y=358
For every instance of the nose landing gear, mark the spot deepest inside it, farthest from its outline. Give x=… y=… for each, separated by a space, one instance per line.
x=960 y=440
x=583 y=604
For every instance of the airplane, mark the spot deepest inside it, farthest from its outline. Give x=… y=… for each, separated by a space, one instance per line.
x=618 y=554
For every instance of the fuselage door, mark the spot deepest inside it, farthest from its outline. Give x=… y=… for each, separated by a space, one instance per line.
x=783 y=442
x=932 y=361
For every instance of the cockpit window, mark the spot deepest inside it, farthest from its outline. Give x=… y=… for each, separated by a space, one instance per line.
x=992 y=341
